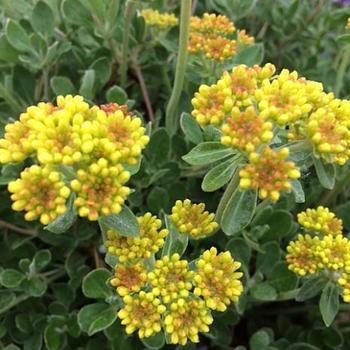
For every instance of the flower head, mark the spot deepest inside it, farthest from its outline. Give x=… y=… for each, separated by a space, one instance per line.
x=245 y=130
x=192 y=219
x=170 y=278
x=217 y=279
x=100 y=189
x=150 y=240
x=244 y=39
x=269 y=173
x=129 y=278
x=212 y=24
x=321 y=220
x=40 y=192
x=185 y=319
x=160 y=20
x=142 y=312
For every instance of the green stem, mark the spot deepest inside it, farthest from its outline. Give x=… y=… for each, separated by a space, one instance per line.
x=341 y=70
x=171 y=117
x=130 y=8
x=17 y=229
x=231 y=187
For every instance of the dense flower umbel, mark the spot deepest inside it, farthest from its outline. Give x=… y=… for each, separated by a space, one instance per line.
x=269 y=172
x=217 y=279
x=94 y=143
x=185 y=318
x=211 y=35
x=244 y=39
x=100 y=189
x=40 y=192
x=171 y=278
x=321 y=220
x=157 y=19
x=245 y=130
x=328 y=252
x=142 y=312
x=129 y=278
x=150 y=240
x=193 y=219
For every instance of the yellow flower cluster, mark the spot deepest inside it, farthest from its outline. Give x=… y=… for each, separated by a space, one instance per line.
x=348 y=23
x=40 y=192
x=171 y=278
x=160 y=20
x=94 y=143
x=193 y=219
x=321 y=221
x=217 y=279
x=269 y=172
x=178 y=299
x=245 y=130
x=328 y=252
x=212 y=35
x=149 y=241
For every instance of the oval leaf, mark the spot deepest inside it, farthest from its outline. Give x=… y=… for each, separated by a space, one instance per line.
x=329 y=303
x=95 y=284
x=325 y=173
x=207 y=152
x=125 y=223
x=190 y=128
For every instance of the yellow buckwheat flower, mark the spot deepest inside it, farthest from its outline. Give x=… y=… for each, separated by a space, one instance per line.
x=142 y=312
x=171 y=278
x=40 y=192
x=329 y=135
x=161 y=20
x=150 y=240
x=244 y=39
x=245 y=130
x=212 y=104
x=321 y=220
x=216 y=48
x=283 y=99
x=192 y=219
x=269 y=173
x=348 y=23
x=185 y=319
x=301 y=256
x=217 y=279
x=129 y=278
x=100 y=189
x=212 y=24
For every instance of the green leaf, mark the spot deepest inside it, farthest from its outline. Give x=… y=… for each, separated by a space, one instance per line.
x=65 y=221
x=96 y=317
x=263 y=291
x=87 y=84
x=325 y=173
x=76 y=13
x=116 y=94
x=103 y=70
x=36 y=287
x=43 y=19
x=329 y=303
x=17 y=36
x=190 y=128
x=249 y=56
x=266 y=262
x=158 y=149
x=175 y=242
x=239 y=211
x=7 y=298
x=155 y=342
x=281 y=278
x=207 y=152
x=11 y=278
x=41 y=259
x=298 y=191
x=302 y=346
x=125 y=223
x=7 y=52
x=280 y=224
x=219 y=176
x=52 y=337
x=62 y=86
x=259 y=340
x=95 y=284
x=310 y=288
x=343 y=39
x=240 y=250
x=157 y=199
